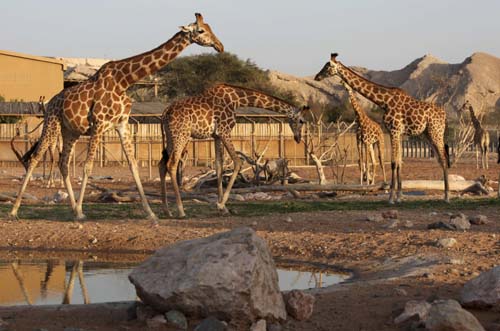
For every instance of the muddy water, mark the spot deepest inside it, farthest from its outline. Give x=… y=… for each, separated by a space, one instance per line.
x=74 y=282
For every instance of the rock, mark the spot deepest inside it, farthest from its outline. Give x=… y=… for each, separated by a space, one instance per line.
x=374 y=218
x=460 y=222
x=176 y=319
x=479 y=220
x=144 y=312
x=156 y=322
x=401 y=292
x=448 y=315
x=260 y=325
x=60 y=196
x=391 y=214
x=237 y=197
x=299 y=304
x=446 y=242
x=227 y=275
x=408 y=224
x=482 y=291
x=211 y=324
x=274 y=327
x=393 y=223
x=412 y=308
x=289 y=220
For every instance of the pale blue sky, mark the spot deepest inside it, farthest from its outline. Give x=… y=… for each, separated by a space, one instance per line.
x=291 y=36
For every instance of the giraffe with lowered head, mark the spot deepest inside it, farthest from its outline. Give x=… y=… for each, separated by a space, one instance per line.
x=403 y=115
x=211 y=114
x=481 y=137
x=368 y=134
x=100 y=104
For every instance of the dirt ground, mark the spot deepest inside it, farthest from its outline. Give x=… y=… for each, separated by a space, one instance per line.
x=390 y=265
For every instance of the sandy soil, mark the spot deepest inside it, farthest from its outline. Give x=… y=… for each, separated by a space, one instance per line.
x=383 y=259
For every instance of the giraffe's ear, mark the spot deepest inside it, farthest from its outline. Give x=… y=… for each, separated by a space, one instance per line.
x=185 y=28
x=333 y=57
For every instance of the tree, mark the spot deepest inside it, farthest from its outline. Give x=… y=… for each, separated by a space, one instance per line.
x=191 y=75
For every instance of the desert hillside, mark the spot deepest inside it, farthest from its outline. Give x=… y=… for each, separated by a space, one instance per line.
x=477 y=79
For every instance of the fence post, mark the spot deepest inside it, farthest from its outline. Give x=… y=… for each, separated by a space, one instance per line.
x=150 y=154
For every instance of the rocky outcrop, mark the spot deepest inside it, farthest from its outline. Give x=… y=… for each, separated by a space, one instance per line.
x=229 y=275
x=426 y=78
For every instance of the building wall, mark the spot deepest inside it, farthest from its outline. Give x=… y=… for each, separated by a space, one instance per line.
x=26 y=78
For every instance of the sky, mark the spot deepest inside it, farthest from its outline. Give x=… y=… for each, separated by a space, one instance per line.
x=291 y=36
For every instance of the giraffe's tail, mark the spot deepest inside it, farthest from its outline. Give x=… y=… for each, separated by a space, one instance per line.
x=447 y=152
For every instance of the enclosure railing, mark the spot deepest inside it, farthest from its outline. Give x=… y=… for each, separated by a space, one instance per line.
x=247 y=137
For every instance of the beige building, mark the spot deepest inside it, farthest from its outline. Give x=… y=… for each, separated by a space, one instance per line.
x=26 y=77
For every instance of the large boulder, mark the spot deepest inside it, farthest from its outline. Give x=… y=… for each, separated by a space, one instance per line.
x=482 y=291
x=229 y=275
x=448 y=315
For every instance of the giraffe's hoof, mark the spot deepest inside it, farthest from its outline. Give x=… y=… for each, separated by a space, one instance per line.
x=391 y=201
x=13 y=217
x=80 y=218
x=154 y=219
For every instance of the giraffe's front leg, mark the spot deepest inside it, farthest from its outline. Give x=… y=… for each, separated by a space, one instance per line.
x=162 y=168
x=226 y=140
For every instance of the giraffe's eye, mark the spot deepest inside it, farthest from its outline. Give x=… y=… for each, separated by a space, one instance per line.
x=201 y=31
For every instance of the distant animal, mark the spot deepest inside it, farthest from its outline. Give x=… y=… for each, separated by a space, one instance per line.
x=403 y=115
x=481 y=137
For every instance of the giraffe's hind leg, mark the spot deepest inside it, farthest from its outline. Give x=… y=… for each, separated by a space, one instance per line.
x=50 y=130
x=162 y=168
x=172 y=165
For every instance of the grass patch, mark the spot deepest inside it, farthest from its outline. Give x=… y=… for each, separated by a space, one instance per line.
x=96 y=211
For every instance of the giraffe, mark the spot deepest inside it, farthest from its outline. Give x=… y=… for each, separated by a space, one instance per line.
x=212 y=114
x=25 y=158
x=368 y=134
x=403 y=115
x=100 y=104
x=481 y=137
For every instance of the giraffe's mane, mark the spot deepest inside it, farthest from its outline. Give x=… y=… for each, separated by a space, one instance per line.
x=372 y=82
x=144 y=53
x=251 y=90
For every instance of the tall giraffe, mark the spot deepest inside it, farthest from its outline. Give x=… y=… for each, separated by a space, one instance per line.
x=368 y=134
x=100 y=104
x=211 y=114
x=481 y=137
x=403 y=115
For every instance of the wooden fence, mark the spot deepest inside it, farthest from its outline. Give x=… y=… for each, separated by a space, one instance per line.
x=247 y=137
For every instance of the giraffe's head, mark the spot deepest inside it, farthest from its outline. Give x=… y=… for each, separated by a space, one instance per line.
x=296 y=121
x=329 y=69
x=465 y=107
x=200 y=33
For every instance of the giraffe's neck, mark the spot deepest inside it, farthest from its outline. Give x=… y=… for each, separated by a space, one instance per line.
x=475 y=121
x=376 y=93
x=251 y=98
x=130 y=70
x=360 y=114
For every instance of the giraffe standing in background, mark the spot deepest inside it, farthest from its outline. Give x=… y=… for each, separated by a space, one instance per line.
x=403 y=115
x=100 y=104
x=368 y=134
x=211 y=114
x=26 y=157
x=481 y=137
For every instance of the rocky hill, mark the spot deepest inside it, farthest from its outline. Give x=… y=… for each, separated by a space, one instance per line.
x=477 y=79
